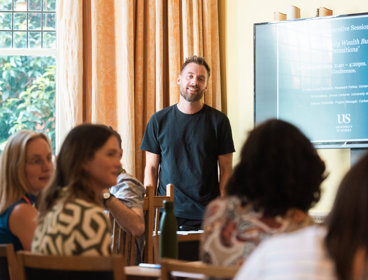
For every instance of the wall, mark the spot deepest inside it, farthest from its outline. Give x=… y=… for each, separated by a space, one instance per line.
x=236 y=33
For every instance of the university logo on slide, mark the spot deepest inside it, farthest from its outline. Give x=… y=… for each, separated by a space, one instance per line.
x=343 y=118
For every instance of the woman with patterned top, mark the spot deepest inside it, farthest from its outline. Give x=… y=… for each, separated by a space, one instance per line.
x=271 y=190
x=71 y=217
x=25 y=169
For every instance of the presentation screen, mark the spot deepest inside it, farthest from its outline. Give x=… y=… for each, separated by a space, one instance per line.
x=314 y=74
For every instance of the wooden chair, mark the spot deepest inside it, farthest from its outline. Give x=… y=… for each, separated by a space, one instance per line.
x=124 y=242
x=38 y=267
x=195 y=270
x=8 y=262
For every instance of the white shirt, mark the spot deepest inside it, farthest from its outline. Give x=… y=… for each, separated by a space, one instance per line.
x=300 y=255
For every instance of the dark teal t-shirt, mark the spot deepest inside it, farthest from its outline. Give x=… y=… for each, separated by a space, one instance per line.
x=189 y=146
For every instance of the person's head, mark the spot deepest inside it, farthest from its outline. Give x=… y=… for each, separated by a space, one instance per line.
x=347 y=222
x=193 y=78
x=26 y=166
x=279 y=169
x=88 y=162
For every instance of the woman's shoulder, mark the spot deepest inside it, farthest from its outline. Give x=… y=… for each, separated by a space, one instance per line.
x=225 y=209
x=230 y=233
x=221 y=205
x=295 y=219
x=230 y=201
x=23 y=211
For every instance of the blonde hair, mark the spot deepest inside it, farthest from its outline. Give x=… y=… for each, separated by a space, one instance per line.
x=13 y=181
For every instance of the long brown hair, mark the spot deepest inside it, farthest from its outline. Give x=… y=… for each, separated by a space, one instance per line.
x=70 y=179
x=348 y=220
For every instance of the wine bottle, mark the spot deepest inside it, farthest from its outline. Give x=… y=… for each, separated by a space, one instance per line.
x=168 y=240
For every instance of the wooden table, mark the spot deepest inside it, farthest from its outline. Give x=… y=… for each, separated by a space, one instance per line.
x=143 y=273
x=184 y=236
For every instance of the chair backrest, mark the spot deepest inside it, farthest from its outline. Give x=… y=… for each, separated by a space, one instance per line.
x=195 y=270
x=124 y=242
x=38 y=267
x=152 y=219
x=8 y=262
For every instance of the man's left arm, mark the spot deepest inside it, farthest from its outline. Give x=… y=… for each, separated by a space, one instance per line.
x=226 y=167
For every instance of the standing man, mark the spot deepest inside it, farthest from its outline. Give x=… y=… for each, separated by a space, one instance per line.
x=186 y=143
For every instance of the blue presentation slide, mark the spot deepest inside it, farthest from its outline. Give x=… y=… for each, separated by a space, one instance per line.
x=322 y=77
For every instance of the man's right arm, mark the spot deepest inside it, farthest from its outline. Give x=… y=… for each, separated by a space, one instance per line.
x=151 y=169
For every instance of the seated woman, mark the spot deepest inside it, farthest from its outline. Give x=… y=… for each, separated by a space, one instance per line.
x=338 y=250
x=71 y=217
x=275 y=183
x=25 y=169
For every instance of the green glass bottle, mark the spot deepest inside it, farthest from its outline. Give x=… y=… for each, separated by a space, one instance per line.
x=168 y=240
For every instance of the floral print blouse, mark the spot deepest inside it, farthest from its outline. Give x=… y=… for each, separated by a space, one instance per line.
x=233 y=231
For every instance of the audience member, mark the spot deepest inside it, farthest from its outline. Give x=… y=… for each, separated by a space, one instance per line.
x=125 y=203
x=337 y=251
x=25 y=169
x=130 y=192
x=129 y=212
x=71 y=215
x=126 y=206
x=347 y=225
x=275 y=183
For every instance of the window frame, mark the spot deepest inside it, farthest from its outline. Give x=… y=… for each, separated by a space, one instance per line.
x=29 y=51
x=42 y=50
x=28 y=11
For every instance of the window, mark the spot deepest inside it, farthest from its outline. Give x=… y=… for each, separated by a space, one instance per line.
x=27 y=67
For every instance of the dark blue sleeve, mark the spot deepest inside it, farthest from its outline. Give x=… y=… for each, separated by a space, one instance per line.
x=226 y=143
x=150 y=140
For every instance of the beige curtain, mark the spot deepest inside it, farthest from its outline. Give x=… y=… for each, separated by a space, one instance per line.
x=118 y=62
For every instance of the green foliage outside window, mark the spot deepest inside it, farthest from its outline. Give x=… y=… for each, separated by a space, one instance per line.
x=27 y=95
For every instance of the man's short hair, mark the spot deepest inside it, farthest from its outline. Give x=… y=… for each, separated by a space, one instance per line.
x=197 y=60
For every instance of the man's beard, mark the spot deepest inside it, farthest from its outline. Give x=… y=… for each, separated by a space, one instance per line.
x=191 y=97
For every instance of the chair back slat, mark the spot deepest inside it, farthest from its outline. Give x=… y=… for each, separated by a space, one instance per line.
x=155 y=203
x=8 y=262
x=124 y=242
x=37 y=266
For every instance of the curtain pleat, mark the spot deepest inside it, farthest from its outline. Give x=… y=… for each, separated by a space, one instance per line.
x=187 y=28
x=160 y=62
x=103 y=63
x=119 y=60
x=212 y=52
x=197 y=27
x=174 y=49
x=126 y=112
x=86 y=94
x=69 y=100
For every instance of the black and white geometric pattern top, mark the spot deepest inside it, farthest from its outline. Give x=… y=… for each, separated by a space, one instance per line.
x=75 y=228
